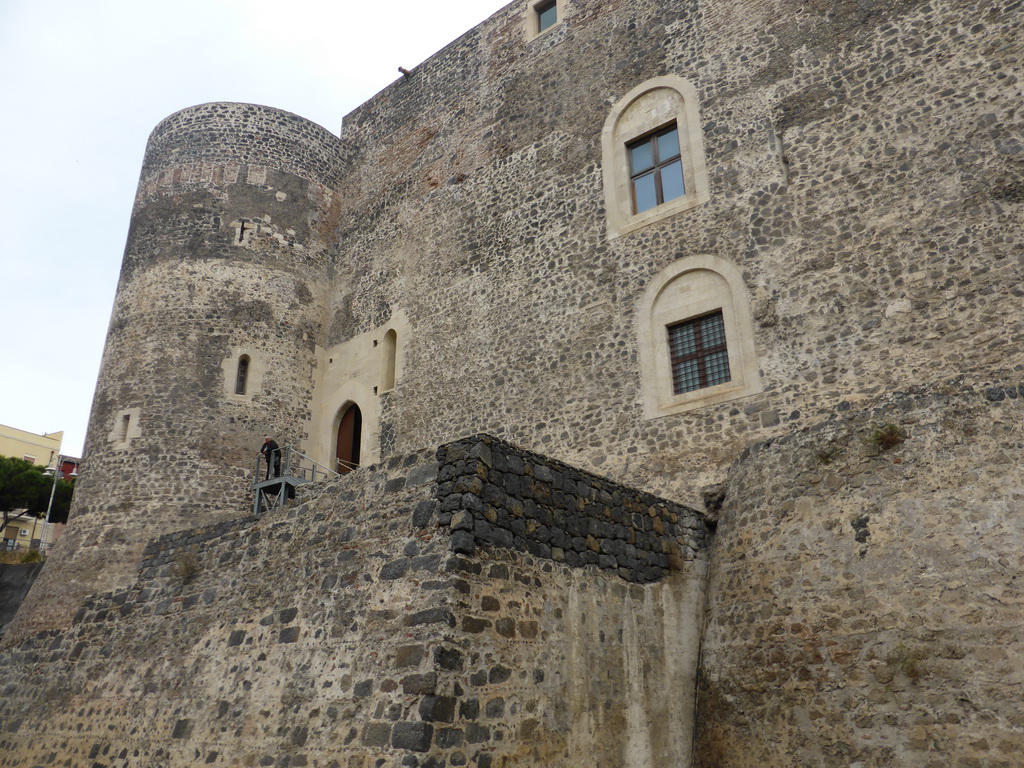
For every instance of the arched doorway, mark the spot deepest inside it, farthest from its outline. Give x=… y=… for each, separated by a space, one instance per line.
x=350 y=430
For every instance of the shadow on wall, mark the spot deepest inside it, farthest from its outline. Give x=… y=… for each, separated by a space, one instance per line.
x=15 y=582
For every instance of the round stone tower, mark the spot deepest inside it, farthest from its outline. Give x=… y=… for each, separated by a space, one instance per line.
x=211 y=342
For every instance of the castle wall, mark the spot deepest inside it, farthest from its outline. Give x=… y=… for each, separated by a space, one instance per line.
x=864 y=594
x=225 y=258
x=15 y=581
x=861 y=163
x=862 y=166
x=346 y=631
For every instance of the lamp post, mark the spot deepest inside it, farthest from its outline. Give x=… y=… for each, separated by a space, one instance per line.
x=54 y=472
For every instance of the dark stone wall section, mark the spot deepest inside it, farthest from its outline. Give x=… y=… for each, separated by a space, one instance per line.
x=389 y=648
x=15 y=582
x=492 y=493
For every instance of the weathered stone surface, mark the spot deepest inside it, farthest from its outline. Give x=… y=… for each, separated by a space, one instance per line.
x=863 y=165
x=437 y=708
x=529 y=516
x=870 y=613
x=424 y=683
x=365 y=665
x=412 y=735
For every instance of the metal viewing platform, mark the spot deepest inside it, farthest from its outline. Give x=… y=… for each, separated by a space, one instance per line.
x=296 y=469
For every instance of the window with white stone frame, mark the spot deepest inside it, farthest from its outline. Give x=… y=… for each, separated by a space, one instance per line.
x=243 y=371
x=653 y=155
x=125 y=428
x=696 y=337
x=542 y=16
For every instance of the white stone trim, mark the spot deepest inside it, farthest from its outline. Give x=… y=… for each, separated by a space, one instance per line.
x=125 y=428
x=353 y=371
x=358 y=394
x=652 y=105
x=254 y=378
x=689 y=288
x=532 y=21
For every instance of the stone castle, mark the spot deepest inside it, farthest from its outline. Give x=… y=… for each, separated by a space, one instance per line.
x=678 y=347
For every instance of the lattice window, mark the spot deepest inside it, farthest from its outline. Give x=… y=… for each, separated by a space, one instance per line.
x=699 y=355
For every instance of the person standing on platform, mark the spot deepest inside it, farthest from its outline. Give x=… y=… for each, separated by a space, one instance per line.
x=272 y=453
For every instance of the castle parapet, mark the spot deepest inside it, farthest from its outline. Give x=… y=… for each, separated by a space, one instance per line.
x=225 y=143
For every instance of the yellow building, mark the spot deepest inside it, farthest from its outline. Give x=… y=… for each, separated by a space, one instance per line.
x=30 y=533
x=39 y=449
x=44 y=451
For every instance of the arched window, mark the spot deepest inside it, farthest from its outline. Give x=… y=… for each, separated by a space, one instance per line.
x=696 y=337
x=389 y=357
x=242 y=377
x=653 y=155
x=350 y=429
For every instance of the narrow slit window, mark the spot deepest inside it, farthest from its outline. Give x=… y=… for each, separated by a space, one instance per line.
x=242 y=378
x=390 y=354
x=699 y=354
x=123 y=432
x=656 y=169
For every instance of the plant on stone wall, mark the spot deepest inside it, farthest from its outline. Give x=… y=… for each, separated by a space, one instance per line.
x=907 y=660
x=886 y=437
x=185 y=567
x=827 y=455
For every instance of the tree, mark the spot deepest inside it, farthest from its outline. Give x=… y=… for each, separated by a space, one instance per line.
x=25 y=492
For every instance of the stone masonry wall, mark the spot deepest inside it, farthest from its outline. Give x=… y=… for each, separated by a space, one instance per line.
x=345 y=632
x=494 y=494
x=560 y=666
x=865 y=596
x=862 y=163
x=15 y=582
x=225 y=256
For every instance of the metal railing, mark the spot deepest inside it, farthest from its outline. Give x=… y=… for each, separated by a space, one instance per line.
x=294 y=464
x=274 y=490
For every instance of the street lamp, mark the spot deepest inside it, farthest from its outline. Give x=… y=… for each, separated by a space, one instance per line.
x=55 y=473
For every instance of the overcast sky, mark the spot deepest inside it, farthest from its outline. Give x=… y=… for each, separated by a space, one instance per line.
x=84 y=82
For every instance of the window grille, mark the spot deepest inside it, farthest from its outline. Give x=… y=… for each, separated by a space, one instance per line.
x=698 y=351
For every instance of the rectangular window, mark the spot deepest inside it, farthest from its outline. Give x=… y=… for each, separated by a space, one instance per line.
x=699 y=354
x=547 y=15
x=656 y=169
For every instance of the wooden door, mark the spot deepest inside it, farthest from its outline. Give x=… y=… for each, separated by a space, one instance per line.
x=349 y=438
